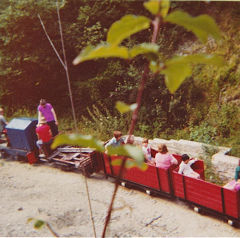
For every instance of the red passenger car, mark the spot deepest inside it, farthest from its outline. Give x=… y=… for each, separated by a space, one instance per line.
x=202 y=195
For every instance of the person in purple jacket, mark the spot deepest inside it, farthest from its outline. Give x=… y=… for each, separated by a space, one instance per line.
x=46 y=110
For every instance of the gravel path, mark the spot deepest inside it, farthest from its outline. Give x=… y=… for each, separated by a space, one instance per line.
x=59 y=198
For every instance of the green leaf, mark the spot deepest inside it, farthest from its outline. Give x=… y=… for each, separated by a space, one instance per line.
x=180 y=67
x=204 y=59
x=130 y=164
x=125 y=27
x=202 y=26
x=39 y=224
x=123 y=107
x=158 y=6
x=116 y=162
x=79 y=140
x=164 y=7
x=197 y=59
x=175 y=74
x=101 y=51
x=29 y=219
x=128 y=151
x=144 y=48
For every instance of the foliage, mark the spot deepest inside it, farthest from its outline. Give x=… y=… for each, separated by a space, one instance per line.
x=235 y=150
x=202 y=26
x=22 y=112
x=123 y=107
x=173 y=68
x=203 y=133
x=181 y=67
x=38 y=224
x=102 y=122
x=25 y=67
x=22 y=71
x=90 y=141
x=81 y=140
x=209 y=171
x=28 y=62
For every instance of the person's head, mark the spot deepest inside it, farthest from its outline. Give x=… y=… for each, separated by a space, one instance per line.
x=130 y=139
x=185 y=158
x=1 y=111
x=43 y=102
x=117 y=134
x=145 y=142
x=162 y=148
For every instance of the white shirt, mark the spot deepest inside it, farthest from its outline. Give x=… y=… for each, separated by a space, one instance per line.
x=147 y=152
x=186 y=168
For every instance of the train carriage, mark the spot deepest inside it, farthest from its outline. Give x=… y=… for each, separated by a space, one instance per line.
x=202 y=195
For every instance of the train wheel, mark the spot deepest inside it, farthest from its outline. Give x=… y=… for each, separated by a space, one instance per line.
x=230 y=222
x=148 y=191
x=233 y=223
x=197 y=209
x=123 y=184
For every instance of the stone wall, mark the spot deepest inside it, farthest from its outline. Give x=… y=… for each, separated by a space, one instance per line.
x=225 y=165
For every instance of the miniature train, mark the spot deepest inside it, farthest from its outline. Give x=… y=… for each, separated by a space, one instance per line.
x=202 y=195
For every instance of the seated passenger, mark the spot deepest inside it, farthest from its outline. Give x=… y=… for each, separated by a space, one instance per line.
x=44 y=134
x=3 y=122
x=234 y=185
x=146 y=148
x=163 y=159
x=185 y=167
x=129 y=140
x=116 y=140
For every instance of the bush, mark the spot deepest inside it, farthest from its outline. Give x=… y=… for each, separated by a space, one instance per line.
x=101 y=122
x=22 y=112
x=204 y=133
x=210 y=174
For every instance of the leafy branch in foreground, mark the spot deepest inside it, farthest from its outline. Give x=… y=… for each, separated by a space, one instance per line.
x=175 y=69
x=202 y=26
x=129 y=151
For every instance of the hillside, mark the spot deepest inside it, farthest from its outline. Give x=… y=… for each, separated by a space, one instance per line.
x=205 y=107
x=214 y=111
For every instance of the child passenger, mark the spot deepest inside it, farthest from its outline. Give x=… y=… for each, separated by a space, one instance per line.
x=44 y=137
x=3 y=122
x=234 y=185
x=147 y=151
x=163 y=159
x=116 y=140
x=129 y=140
x=185 y=167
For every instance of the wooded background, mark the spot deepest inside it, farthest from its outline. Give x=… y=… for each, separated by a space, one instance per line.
x=205 y=108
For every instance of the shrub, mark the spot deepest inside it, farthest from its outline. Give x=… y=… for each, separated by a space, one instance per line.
x=101 y=122
x=203 y=133
x=210 y=174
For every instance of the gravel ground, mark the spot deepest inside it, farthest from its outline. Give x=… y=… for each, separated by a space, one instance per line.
x=59 y=198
